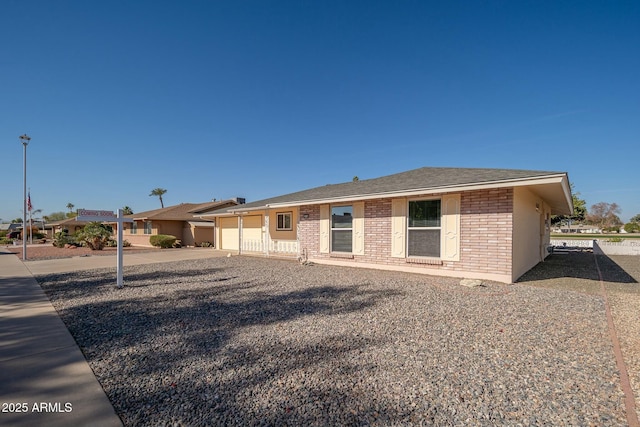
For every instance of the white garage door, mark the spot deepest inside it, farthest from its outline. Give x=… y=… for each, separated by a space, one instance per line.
x=252 y=229
x=229 y=233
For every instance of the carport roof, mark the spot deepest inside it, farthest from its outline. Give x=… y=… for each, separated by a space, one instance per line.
x=553 y=187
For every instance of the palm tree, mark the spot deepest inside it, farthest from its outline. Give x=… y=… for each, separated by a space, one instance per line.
x=158 y=192
x=70 y=206
x=127 y=210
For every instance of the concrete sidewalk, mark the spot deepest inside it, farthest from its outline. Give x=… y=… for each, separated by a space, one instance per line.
x=44 y=377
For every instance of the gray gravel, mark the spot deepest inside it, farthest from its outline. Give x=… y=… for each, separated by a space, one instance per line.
x=252 y=341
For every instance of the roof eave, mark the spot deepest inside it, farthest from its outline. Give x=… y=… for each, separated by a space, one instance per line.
x=548 y=179
x=559 y=178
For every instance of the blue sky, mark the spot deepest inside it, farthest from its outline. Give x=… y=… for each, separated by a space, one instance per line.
x=213 y=99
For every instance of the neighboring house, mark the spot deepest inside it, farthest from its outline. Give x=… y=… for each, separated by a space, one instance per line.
x=577 y=228
x=14 y=229
x=489 y=224
x=178 y=220
x=70 y=225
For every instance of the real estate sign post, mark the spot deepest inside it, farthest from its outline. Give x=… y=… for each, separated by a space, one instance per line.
x=108 y=216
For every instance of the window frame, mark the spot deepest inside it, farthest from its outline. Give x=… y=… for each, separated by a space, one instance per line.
x=148 y=229
x=332 y=228
x=408 y=228
x=284 y=215
x=134 y=228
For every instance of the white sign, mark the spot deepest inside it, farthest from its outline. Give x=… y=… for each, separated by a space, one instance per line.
x=108 y=216
x=94 y=215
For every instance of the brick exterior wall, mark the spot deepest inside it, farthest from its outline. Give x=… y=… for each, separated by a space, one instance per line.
x=486 y=221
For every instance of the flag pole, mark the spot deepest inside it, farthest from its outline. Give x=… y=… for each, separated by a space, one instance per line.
x=24 y=139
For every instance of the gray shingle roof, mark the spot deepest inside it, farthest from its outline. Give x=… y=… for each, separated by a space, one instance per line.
x=426 y=178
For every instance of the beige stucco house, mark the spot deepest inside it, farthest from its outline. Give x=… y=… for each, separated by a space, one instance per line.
x=491 y=224
x=71 y=225
x=180 y=221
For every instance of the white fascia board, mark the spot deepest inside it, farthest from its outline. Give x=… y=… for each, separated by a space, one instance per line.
x=234 y=212
x=206 y=216
x=550 y=179
x=566 y=187
x=249 y=210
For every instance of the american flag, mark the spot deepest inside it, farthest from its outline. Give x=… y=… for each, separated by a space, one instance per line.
x=29 y=206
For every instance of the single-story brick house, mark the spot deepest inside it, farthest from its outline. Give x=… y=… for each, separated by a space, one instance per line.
x=177 y=220
x=491 y=224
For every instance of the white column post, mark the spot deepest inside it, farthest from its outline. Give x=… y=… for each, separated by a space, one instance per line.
x=267 y=236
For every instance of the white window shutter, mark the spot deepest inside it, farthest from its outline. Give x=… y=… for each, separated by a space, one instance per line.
x=325 y=229
x=398 y=227
x=450 y=235
x=358 y=228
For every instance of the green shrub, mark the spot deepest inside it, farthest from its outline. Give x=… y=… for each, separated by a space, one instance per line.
x=206 y=244
x=162 y=241
x=94 y=235
x=5 y=241
x=113 y=243
x=632 y=227
x=61 y=238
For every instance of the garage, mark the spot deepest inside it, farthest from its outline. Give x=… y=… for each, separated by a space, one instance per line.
x=229 y=233
x=251 y=233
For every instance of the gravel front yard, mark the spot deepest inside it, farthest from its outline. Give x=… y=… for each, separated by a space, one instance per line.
x=48 y=251
x=253 y=341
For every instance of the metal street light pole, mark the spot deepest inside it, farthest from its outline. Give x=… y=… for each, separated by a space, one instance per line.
x=25 y=141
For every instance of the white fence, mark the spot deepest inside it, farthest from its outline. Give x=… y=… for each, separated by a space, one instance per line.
x=579 y=243
x=275 y=247
x=625 y=247
x=601 y=246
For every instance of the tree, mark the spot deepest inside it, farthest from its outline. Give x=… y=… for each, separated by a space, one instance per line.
x=70 y=206
x=579 y=209
x=632 y=227
x=127 y=210
x=158 y=192
x=635 y=219
x=356 y=179
x=605 y=216
x=56 y=216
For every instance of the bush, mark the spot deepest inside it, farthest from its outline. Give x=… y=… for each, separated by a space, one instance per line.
x=94 y=235
x=206 y=245
x=632 y=227
x=5 y=241
x=113 y=243
x=61 y=238
x=162 y=241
